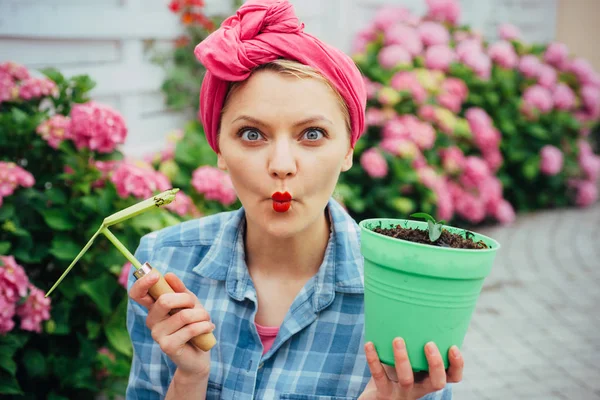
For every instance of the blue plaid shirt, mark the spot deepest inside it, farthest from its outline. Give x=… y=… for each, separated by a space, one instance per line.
x=318 y=353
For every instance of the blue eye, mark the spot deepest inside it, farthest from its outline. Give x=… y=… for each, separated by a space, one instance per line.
x=312 y=134
x=252 y=136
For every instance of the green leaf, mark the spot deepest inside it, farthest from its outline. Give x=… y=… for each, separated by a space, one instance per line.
x=100 y=290
x=56 y=196
x=116 y=330
x=64 y=249
x=34 y=363
x=6 y=211
x=19 y=116
x=53 y=74
x=7 y=363
x=435 y=231
x=425 y=216
x=4 y=248
x=9 y=384
x=93 y=329
x=58 y=219
x=531 y=168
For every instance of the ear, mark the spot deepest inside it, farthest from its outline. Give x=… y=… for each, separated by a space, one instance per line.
x=221 y=164
x=347 y=164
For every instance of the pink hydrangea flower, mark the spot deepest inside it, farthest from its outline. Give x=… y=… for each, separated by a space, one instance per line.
x=428 y=177
x=388 y=16
x=547 y=76
x=493 y=157
x=443 y=10
x=34 y=311
x=33 y=88
x=11 y=177
x=469 y=207
x=454 y=92
x=138 y=179
x=583 y=70
x=503 y=211
x=407 y=81
x=453 y=159
x=439 y=57
x=468 y=47
x=476 y=171
x=530 y=65
x=420 y=132
x=55 y=129
x=433 y=33
x=587 y=193
x=97 y=127
x=395 y=128
x=8 y=88
x=590 y=165
x=503 y=54
x=374 y=117
x=183 y=205
x=563 y=97
x=374 y=163
x=590 y=97
x=13 y=279
x=427 y=112
x=480 y=63
x=405 y=36
x=551 y=160
x=7 y=312
x=401 y=147
x=487 y=137
x=509 y=32
x=537 y=98
x=124 y=275
x=372 y=87
x=16 y=71
x=393 y=56
x=363 y=38
x=445 y=203
x=557 y=54
x=214 y=184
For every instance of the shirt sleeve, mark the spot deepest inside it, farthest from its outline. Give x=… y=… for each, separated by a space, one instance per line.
x=149 y=376
x=444 y=394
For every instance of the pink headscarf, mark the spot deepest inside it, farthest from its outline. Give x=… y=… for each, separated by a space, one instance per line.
x=260 y=32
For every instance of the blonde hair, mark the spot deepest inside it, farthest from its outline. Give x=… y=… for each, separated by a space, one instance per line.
x=298 y=70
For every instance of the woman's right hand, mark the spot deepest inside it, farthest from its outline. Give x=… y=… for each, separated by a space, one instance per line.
x=173 y=332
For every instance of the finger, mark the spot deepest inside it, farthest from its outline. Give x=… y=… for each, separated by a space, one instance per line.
x=403 y=367
x=457 y=363
x=179 y=320
x=166 y=303
x=139 y=290
x=173 y=345
x=384 y=385
x=177 y=284
x=437 y=372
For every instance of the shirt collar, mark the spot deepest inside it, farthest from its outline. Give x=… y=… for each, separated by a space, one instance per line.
x=341 y=270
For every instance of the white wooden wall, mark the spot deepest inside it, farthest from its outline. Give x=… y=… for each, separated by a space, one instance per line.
x=107 y=39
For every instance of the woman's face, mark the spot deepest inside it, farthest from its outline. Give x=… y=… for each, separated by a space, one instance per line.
x=280 y=133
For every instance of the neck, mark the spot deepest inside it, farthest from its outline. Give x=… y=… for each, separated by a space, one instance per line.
x=295 y=257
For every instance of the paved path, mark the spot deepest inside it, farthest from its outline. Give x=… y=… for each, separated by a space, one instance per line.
x=535 y=333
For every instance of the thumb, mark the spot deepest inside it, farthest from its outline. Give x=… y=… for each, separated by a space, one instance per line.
x=175 y=283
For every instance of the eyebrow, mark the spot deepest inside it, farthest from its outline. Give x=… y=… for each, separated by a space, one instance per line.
x=316 y=118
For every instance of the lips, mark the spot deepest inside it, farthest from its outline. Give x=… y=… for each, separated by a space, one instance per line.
x=281 y=201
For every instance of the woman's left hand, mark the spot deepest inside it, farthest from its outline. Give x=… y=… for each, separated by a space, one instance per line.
x=399 y=383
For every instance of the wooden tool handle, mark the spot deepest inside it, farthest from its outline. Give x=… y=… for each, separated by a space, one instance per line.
x=205 y=341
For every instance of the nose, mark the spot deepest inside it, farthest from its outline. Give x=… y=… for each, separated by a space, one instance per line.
x=282 y=160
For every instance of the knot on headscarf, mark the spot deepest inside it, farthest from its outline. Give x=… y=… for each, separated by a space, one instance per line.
x=260 y=32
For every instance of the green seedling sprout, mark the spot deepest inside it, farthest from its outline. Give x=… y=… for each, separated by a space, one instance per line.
x=151 y=203
x=434 y=228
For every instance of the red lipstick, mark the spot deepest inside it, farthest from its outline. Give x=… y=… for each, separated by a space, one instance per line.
x=281 y=201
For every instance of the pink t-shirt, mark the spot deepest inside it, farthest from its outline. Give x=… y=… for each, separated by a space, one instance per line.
x=267 y=335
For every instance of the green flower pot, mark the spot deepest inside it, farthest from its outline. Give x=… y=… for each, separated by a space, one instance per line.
x=419 y=292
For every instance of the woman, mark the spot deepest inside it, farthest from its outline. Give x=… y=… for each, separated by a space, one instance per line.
x=280 y=281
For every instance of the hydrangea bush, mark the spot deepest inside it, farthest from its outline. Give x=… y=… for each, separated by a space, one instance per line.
x=61 y=174
x=467 y=129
